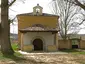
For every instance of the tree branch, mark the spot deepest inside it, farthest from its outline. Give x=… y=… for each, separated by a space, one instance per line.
x=12 y=2
x=79 y=4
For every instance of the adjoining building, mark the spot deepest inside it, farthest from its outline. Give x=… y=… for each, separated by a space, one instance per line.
x=74 y=41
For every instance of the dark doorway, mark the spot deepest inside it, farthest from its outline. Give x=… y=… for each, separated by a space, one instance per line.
x=38 y=44
x=74 y=46
x=75 y=43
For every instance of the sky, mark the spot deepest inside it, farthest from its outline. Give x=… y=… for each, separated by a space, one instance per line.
x=27 y=7
x=19 y=7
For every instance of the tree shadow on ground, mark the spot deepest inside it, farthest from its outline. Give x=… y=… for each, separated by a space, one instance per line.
x=23 y=60
x=13 y=57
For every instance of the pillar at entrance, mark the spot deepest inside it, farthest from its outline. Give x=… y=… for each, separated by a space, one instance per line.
x=21 y=41
x=56 y=41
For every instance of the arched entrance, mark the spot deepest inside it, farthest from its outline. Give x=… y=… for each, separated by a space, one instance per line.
x=38 y=44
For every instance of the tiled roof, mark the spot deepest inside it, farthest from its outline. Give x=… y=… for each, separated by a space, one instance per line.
x=40 y=29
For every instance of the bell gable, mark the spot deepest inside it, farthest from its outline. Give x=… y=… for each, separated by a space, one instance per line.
x=37 y=10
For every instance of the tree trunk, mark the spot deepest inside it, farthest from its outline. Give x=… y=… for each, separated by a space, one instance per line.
x=5 y=29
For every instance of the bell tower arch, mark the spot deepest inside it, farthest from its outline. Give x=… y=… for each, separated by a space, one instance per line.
x=37 y=10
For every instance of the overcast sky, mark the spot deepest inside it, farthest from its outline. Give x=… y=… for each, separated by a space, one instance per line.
x=19 y=8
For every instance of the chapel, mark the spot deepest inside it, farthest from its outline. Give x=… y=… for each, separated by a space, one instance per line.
x=38 y=31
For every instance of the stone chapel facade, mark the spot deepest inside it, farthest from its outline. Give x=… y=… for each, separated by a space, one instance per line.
x=38 y=31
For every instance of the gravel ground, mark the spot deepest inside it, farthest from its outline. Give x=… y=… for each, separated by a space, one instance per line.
x=49 y=58
x=56 y=58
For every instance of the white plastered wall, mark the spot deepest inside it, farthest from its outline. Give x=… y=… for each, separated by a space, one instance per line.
x=46 y=37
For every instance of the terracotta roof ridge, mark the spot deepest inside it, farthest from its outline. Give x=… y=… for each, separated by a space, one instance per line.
x=31 y=14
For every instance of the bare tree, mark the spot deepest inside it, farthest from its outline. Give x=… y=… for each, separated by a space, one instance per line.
x=5 y=27
x=67 y=12
x=81 y=4
x=78 y=2
x=5 y=34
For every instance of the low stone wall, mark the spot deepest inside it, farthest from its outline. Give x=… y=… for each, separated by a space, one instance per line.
x=51 y=48
x=64 y=44
x=68 y=45
x=82 y=44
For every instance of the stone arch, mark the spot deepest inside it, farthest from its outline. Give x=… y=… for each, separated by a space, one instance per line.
x=38 y=44
x=41 y=38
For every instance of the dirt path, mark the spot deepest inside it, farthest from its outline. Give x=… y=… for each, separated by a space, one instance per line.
x=56 y=58
x=49 y=58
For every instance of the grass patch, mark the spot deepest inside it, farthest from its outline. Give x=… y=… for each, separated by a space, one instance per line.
x=15 y=46
x=16 y=56
x=1 y=56
x=69 y=50
x=79 y=52
x=73 y=51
